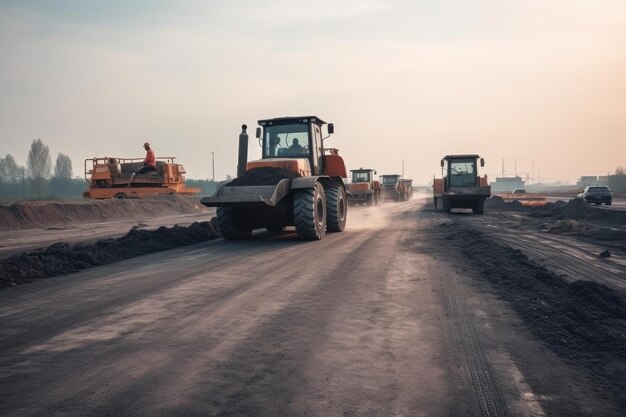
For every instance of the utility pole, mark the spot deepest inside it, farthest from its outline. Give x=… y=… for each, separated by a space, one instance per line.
x=403 y=168
x=503 y=167
x=516 y=167
x=532 y=172
x=213 y=164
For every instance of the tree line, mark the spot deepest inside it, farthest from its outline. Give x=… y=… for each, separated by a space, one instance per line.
x=39 y=178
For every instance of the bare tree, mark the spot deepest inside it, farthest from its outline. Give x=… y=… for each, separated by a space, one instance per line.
x=9 y=170
x=39 y=164
x=63 y=167
x=620 y=171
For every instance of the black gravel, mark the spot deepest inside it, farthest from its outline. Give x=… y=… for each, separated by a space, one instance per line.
x=575 y=209
x=263 y=176
x=62 y=258
x=582 y=321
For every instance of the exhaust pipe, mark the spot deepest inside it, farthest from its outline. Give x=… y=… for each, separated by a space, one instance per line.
x=243 y=152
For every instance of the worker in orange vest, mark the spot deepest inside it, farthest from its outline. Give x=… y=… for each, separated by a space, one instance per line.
x=149 y=164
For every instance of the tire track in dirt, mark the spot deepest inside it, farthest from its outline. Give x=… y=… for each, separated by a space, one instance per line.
x=486 y=398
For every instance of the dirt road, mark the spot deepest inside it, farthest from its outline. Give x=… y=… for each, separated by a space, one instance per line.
x=375 y=321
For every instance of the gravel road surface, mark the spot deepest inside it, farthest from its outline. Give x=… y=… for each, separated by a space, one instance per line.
x=380 y=320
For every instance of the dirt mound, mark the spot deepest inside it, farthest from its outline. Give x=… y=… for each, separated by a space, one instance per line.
x=582 y=320
x=497 y=203
x=263 y=176
x=61 y=258
x=42 y=214
x=575 y=209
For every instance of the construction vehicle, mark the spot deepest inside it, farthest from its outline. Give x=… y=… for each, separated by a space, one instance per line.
x=298 y=182
x=110 y=178
x=461 y=187
x=408 y=187
x=364 y=189
x=392 y=188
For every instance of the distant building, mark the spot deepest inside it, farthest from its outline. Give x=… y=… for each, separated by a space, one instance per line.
x=506 y=184
x=587 y=180
x=604 y=179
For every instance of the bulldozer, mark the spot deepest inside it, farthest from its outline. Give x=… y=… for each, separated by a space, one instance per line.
x=393 y=188
x=461 y=186
x=297 y=182
x=364 y=189
x=110 y=177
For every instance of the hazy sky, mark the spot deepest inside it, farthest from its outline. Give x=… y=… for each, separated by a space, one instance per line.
x=541 y=81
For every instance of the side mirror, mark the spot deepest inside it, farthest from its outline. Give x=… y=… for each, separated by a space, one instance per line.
x=331 y=128
x=442 y=163
x=482 y=162
x=258 y=132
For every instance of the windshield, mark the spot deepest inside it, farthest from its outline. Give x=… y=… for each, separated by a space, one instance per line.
x=598 y=190
x=390 y=180
x=462 y=172
x=361 y=176
x=286 y=140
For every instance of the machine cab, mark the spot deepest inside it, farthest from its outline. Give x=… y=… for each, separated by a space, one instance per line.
x=462 y=170
x=389 y=180
x=362 y=175
x=294 y=138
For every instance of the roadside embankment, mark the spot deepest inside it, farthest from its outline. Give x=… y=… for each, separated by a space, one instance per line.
x=42 y=214
x=62 y=258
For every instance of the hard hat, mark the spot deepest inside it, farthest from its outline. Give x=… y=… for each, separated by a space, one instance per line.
x=146 y=144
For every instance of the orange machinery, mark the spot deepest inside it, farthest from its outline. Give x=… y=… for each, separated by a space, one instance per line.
x=297 y=182
x=109 y=177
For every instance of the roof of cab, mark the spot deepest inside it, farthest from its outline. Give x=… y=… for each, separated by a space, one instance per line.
x=461 y=156
x=287 y=119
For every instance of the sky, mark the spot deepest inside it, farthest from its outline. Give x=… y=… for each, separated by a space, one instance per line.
x=538 y=87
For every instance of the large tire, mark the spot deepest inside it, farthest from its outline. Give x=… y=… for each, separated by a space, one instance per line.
x=479 y=207
x=309 y=212
x=336 y=208
x=227 y=224
x=446 y=204
x=120 y=196
x=435 y=201
x=369 y=201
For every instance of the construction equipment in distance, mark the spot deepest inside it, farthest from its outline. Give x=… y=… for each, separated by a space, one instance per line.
x=408 y=187
x=109 y=178
x=364 y=189
x=461 y=187
x=393 y=188
x=298 y=182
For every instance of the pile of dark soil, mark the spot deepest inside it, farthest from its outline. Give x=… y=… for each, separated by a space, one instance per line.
x=498 y=203
x=41 y=214
x=61 y=258
x=575 y=209
x=581 y=320
x=263 y=176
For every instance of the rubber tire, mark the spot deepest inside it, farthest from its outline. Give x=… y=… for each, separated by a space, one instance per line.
x=435 y=200
x=336 y=208
x=597 y=204
x=309 y=212
x=479 y=207
x=226 y=223
x=369 y=200
x=446 y=205
x=120 y=196
x=609 y=203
